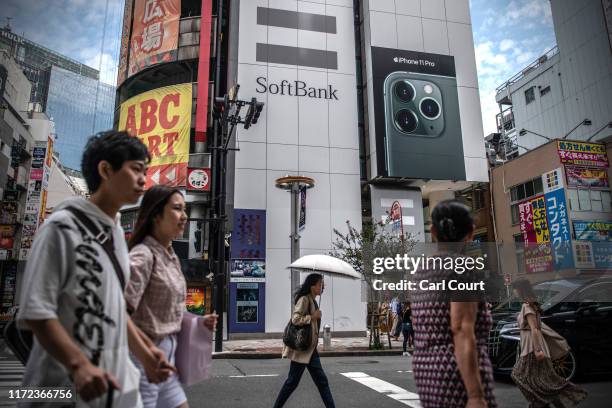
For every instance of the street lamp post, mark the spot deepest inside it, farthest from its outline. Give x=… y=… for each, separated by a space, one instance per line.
x=294 y=184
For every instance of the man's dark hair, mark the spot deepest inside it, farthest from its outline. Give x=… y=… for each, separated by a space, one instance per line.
x=114 y=147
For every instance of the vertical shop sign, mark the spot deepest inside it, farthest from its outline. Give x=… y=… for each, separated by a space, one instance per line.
x=558 y=224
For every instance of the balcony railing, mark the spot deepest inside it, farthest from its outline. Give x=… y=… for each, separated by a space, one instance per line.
x=517 y=77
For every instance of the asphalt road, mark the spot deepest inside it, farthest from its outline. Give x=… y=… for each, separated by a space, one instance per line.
x=355 y=382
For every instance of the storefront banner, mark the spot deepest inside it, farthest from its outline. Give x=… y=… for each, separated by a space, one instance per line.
x=581 y=153
x=526 y=222
x=155 y=33
x=593 y=230
x=602 y=255
x=540 y=223
x=558 y=226
x=243 y=270
x=161 y=118
x=539 y=258
x=249 y=234
x=552 y=180
x=586 y=177
x=125 y=41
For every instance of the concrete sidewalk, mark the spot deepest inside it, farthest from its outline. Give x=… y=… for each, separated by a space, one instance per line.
x=272 y=348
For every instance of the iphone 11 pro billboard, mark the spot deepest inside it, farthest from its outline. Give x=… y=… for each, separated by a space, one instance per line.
x=417 y=120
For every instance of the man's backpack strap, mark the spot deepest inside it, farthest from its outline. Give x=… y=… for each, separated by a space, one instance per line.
x=105 y=240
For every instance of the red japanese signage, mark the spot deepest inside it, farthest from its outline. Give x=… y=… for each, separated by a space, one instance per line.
x=155 y=33
x=203 y=72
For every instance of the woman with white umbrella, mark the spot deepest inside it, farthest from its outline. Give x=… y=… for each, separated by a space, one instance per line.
x=306 y=311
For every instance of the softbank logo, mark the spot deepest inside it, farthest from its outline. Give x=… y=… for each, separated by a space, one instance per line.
x=306 y=57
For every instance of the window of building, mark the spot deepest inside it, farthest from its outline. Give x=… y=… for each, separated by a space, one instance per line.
x=590 y=200
x=522 y=192
x=530 y=95
x=545 y=90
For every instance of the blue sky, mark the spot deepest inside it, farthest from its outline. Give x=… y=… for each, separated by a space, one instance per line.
x=508 y=35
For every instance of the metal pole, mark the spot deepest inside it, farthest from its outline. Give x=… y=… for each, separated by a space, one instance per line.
x=217 y=255
x=295 y=236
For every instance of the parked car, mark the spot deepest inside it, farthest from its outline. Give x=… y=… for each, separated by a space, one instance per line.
x=580 y=309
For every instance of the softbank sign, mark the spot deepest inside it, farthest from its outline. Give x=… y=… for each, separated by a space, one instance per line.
x=300 y=56
x=296 y=88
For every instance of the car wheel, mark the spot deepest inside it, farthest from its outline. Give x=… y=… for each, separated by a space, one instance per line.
x=566 y=366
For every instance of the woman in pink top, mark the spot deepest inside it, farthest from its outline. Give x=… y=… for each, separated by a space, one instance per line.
x=156 y=292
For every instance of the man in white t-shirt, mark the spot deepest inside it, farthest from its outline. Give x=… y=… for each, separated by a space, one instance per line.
x=72 y=294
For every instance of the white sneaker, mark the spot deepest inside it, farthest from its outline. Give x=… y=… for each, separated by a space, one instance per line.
x=405 y=353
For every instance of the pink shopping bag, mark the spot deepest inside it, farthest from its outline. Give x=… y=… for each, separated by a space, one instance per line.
x=194 y=350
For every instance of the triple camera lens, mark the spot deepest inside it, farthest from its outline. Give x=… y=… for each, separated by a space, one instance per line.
x=404 y=91
x=406 y=120
x=429 y=108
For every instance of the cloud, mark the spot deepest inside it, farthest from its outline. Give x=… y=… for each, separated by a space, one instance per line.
x=506 y=44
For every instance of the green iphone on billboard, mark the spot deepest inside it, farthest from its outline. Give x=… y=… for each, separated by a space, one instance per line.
x=417 y=112
x=422 y=126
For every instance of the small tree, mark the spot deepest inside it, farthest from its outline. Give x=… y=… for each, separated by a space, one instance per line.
x=359 y=248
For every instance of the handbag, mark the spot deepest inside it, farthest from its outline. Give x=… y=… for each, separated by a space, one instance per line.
x=557 y=345
x=297 y=337
x=193 y=357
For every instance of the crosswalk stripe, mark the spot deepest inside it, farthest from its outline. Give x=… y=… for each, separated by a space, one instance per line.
x=399 y=394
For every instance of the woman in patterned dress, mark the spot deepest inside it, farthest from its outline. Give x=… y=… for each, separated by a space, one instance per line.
x=451 y=363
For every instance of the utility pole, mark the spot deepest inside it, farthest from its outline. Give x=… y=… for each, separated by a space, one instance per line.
x=226 y=113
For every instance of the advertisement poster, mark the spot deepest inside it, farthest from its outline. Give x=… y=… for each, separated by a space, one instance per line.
x=198 y=300
x=125 y=42
x=593 y=230
x=583 y=154
x=249 y=234
x=558 y=225
x=161 y=118
x=246 y=270
x=417 y=118
x=526 y=222
x=247 y=302
x=155 y=33
x=538 y=258
x=397 y=226
x=602 y=255
x=587 y=177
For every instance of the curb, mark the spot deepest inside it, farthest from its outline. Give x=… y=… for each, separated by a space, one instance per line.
x=250 y=355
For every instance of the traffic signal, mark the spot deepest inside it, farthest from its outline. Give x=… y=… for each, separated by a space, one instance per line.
x=253 y=113
x=258 y=107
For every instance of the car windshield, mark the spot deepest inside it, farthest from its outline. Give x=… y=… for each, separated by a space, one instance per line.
x=548 y=293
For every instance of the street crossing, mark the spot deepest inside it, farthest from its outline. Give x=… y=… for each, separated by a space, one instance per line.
x=11 y=374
